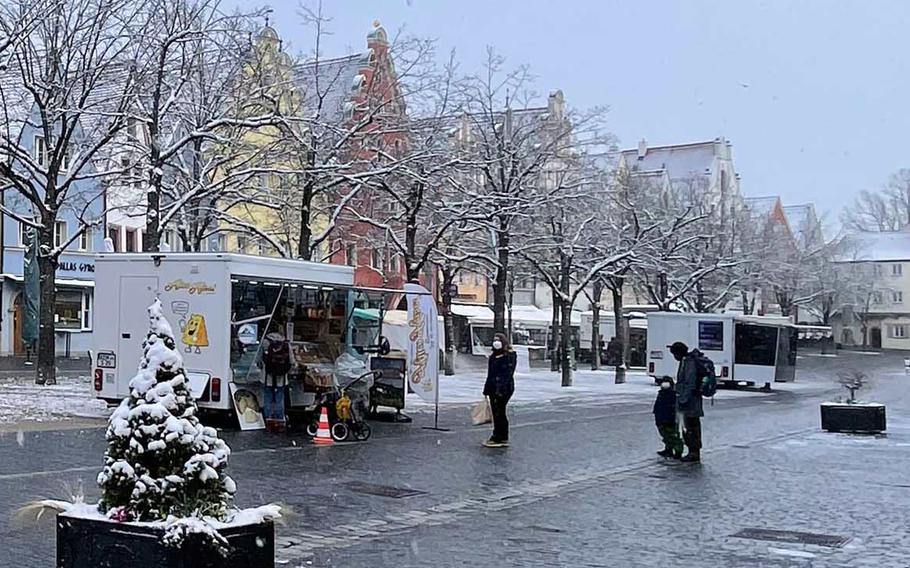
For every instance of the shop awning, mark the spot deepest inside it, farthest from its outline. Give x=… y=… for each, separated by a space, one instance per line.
x=522 y=315
x=473 y=312
x=366 y=314
x=74 y=282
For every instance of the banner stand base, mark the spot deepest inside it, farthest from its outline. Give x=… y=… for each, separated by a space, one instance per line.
x=437 y=428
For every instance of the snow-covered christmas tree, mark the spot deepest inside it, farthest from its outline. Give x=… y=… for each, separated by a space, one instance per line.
x=161 y=464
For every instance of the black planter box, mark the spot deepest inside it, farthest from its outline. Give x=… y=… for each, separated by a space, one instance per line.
x=842 y=417
x=89 y=543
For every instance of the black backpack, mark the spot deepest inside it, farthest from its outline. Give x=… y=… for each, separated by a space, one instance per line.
x=707 y=379
x=277 y=358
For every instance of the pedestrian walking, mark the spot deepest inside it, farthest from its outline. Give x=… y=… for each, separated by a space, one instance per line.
x=499 y=387
x=666 y=420
x=694 y=368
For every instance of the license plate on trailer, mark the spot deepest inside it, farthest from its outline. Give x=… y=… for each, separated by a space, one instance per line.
x=657 y=354
x=107 y=360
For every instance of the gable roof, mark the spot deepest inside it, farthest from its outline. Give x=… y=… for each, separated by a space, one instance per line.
x=761 y=206
x=331 y=83
x=803 y=221
x=15 y=100
x=18 y=104
x=680 y=160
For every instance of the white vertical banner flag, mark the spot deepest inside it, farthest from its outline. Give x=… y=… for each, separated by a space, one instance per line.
x=423 y=344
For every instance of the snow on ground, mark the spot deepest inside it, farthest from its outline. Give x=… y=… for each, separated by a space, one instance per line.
x=21 y=400
x=539 y=386
x=543 y=386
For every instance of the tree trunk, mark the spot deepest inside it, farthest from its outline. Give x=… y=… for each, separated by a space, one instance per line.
x=150 y=238
x=501 y=284
x=510 y=297
x=305 y=234
x=564 y=344
x=566 y=323
x=662 y=291
x=597 y=291
x=622 y=335
x=47 y=268
x=784 y=302
x=747 y=307
x=554 y=333
x=448 y=277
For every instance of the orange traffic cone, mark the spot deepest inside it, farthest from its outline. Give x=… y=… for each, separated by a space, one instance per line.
x=323 y=435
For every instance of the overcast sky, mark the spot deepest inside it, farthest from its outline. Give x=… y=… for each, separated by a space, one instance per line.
x=812 y=94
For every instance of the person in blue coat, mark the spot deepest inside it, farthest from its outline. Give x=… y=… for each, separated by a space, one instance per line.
x=499 y=387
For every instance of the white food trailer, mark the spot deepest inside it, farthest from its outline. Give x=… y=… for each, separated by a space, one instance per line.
x=746 y=350
x=220 y=307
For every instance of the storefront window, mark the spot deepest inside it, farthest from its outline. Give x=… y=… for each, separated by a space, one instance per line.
x=69 y=310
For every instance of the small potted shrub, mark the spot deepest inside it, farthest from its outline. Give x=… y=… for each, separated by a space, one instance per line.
x=165 y=497
x=853 y=415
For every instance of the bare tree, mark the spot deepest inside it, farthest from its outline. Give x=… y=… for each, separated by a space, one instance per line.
x=21 y=19
x=516 y=144
x=569 y=244
x=887 y=209
x=681 y=253
x=203 y=88
x=345 y=126
x=69 y=83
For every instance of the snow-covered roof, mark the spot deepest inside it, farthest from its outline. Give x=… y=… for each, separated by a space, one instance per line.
x=16 y=100
x=803 y=222
x=761 y=207
x=679 y=160
x=886 y=246
x=97 y=111
x=331 y=82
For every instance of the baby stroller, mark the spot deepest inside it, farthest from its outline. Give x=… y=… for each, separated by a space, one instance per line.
x=347 y=406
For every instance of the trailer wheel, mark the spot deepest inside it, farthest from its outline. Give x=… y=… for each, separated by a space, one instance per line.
x=312 y=429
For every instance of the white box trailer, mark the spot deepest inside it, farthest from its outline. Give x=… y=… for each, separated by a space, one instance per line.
x=206 y=297
x=746 y=350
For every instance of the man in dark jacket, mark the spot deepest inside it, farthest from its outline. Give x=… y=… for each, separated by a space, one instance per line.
x=688 y=398
x=499 y=386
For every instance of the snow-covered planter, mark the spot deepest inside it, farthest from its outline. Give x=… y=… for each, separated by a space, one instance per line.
x=856 y=417
x=84 y=541
x=852 y=415
x=165 y=497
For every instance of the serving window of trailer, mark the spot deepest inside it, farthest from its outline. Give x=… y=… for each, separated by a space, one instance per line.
x=312 y=318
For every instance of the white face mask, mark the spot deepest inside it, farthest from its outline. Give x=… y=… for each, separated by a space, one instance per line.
x=497 y=345
x=665 y=385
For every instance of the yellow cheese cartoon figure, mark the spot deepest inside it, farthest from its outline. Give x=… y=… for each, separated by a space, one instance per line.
x=195 y=334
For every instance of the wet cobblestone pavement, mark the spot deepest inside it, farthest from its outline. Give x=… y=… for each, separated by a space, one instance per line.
x=579 y=486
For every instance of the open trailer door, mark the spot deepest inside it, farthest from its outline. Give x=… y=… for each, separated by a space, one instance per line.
x=786 y=355
x=755 y=358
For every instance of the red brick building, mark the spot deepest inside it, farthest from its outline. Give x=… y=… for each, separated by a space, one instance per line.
x=365 y=94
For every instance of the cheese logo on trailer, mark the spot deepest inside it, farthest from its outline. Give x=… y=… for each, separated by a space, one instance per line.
x=194 y=288
x=195 y=334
